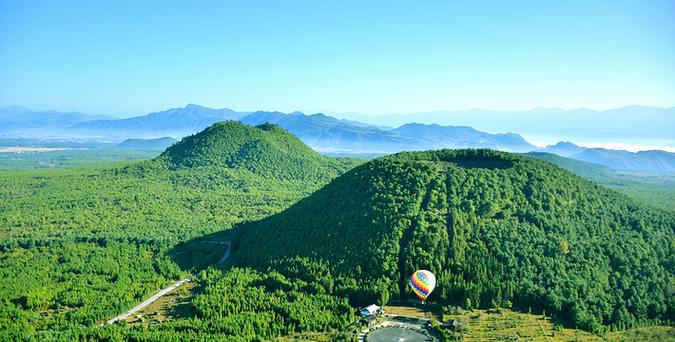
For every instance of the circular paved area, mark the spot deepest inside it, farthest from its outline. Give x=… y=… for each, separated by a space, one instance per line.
x=396 y=334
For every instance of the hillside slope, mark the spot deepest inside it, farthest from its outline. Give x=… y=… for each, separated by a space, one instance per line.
x=591 y=171
x=265 y=150
x=494 y=227
x=654 y=189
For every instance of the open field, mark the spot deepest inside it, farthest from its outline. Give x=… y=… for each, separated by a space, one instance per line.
x=16 y=158
x=174 y=305
x=20 y=149
x=410 y=311
x=644 y=334
x=516 y=326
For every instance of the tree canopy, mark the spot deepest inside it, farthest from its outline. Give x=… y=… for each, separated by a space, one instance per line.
x=493 y=227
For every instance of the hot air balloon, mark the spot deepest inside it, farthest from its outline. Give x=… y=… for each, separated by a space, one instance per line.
x=422 y=283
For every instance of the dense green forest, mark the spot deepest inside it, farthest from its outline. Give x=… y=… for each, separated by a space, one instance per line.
x=654 y=189
x=236 y=304
x=495 y=228
x=82 y=245
x=74 y=158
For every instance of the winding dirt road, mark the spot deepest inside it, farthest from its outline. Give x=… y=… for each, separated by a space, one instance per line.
x=166 y=290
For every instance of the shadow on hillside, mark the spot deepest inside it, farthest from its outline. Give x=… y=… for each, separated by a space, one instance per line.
x=490 y=164
x=199 y=253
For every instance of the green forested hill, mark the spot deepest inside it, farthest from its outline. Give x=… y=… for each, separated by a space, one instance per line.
x=495 y=228
x=584 y=169
x=78 y=246
x=266 y=150
x=82 y=245
x=160 y=199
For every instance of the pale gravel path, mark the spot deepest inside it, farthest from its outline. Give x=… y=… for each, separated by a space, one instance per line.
x=164 y=291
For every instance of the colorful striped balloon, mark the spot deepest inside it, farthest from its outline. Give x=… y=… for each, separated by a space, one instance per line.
x=422 y=283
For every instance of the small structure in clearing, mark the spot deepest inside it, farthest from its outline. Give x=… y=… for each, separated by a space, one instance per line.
x=371 y=310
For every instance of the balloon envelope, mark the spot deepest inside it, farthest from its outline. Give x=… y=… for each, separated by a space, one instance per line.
x=422 y=283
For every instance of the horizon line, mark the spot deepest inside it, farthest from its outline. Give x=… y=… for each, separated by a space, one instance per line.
x=332 y=112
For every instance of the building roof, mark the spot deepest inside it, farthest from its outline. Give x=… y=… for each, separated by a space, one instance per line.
x=369 y=310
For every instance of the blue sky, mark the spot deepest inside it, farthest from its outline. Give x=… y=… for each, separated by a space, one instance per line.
x=124 y=58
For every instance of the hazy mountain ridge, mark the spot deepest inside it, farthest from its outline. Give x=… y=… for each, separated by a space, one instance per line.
x=325 y=132
x=435 y=136
x=320 y=131
x=563 y=149
x=647 y=161
x=147 y=144
x=21 y=118
x=190 y=118
x=329 y=134
x=630 y=122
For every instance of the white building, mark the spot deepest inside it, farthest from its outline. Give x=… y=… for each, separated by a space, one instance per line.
x=371 y=310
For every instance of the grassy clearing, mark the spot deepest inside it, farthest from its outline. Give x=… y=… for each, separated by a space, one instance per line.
x=644 y=334
x=512 y=326
x=410 y=311
x=175 y=305
x=516 y=326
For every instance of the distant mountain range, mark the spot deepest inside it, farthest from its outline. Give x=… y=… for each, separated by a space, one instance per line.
x=563 y=149
x=158 y=144
x=433 y=135
x=647 y=161
x=326 y=133
x=192 y=118
x=322 y=132
x=631 y=123
x=20 y=119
